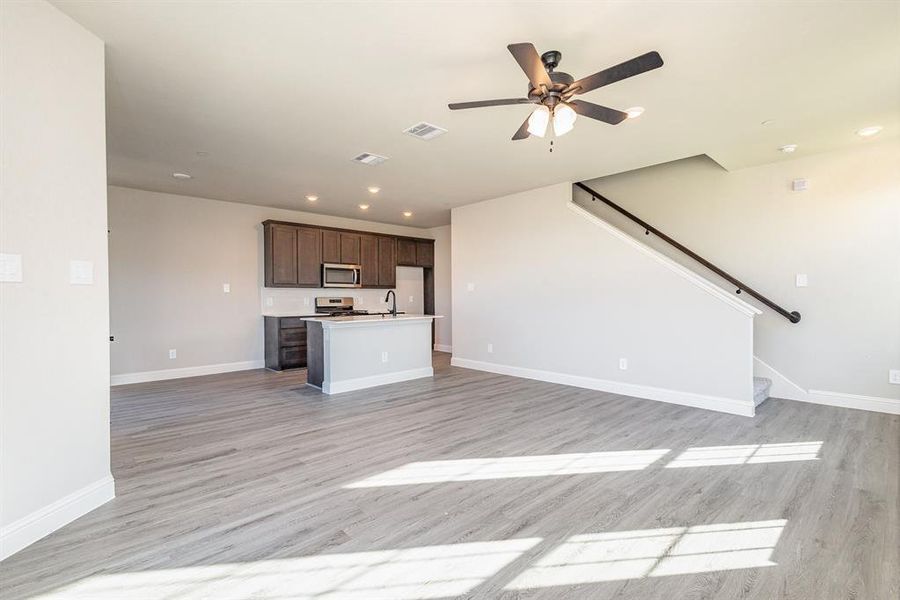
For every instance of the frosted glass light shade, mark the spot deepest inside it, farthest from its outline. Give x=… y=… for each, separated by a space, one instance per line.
x=563 y=119
x=537 y=122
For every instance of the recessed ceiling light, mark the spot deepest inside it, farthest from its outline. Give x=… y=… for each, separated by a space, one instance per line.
x=788 y=148
x=374 y=189
x=407 y=213
x=635 y=111
x=869 y=131
x=312 y=197
x=364 y=207
x=181 y=176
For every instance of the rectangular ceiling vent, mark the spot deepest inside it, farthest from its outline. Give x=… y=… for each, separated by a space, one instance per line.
x=425 y=131
x=367 y=158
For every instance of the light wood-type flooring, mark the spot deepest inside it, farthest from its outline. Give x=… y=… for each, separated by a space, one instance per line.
x=474 y=485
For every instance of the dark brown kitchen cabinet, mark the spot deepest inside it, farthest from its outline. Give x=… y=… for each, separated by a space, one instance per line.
x=331 y=246
x=285 y=343
x=368 y=260
x=281 y=255
x=406 y=253
x=292 y=256
x=424 y=254
x=309 y=257
x=387 y=262
x=350 y=248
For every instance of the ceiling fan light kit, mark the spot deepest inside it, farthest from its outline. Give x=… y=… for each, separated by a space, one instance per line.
x=553 y=90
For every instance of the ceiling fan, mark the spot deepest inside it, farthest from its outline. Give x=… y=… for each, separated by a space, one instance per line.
x=553 y=90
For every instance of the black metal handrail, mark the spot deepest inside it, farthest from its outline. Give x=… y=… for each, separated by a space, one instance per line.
x=793 y=316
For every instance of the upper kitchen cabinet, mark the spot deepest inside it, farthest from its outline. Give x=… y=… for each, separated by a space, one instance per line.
x=340 y=247
x=387 y=262
x=293 y=255
x=425 y=254
x=406 y=253
x=368 y=260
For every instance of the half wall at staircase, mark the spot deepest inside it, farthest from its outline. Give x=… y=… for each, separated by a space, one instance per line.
x=542 y=289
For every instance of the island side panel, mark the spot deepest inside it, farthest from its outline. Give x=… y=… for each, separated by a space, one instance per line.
x=355 y=352
x=315 y=354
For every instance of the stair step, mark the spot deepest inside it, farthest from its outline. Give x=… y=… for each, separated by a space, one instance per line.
x=761 y=387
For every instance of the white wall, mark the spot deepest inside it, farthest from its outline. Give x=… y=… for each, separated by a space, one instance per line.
x=562 y=298
x=170 y=256
x=843 y=232
x=54 y=349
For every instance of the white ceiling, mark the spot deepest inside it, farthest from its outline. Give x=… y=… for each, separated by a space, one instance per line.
x=283 y=94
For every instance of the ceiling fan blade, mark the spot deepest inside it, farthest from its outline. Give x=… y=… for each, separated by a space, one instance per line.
x=595 y=111
x=531 y=63
x=522 y=133
x=629 y=68
x=480 y=103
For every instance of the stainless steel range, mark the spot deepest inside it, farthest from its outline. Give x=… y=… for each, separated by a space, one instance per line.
x=337 y=306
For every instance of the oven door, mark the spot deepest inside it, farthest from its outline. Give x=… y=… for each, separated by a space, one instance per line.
x=341 y=276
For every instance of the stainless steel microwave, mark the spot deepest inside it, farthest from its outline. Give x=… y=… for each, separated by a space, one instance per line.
x=341 y=276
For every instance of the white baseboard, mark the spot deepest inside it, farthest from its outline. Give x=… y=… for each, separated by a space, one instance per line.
x=141 y=377
x=42 y=522
x=443 y=348
x=784 y=388
x=349 y=385
x=890 y=406
x=733 y=406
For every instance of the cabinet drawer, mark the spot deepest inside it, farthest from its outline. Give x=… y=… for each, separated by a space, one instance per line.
x=291 y=323
x=292 y=357
x=292 y=337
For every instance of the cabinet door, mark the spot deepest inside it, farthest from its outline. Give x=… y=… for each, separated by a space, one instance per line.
x=387 y=262
x=309 y=257
x=368 y=260
x=281 y=264
x=425 y=254
x=406 y=253
x=350 y=248
x=331 y=246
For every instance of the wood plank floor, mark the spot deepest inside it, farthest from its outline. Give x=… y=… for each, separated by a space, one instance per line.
x=252 y=485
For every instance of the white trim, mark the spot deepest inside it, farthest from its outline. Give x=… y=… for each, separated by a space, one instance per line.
x=140 y=377
x=784 y=388
x=349 y=385
x=443 y=348
x=890 y=406
x=702 y=283
x=46 y=520
x=733 y=406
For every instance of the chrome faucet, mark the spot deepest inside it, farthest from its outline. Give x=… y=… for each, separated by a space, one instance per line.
x=394 y=305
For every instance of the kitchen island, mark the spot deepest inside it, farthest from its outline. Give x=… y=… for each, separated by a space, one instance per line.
x=356 y=352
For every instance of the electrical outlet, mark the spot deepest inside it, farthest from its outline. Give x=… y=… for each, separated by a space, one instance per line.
x=270 y=301
x=173 y=353
x=802 y=280
x=306 y=301
x=470 y=287
x=894 y=376
x=384 y=357
x=410 y=299
x=490 y=348
x=623 y=364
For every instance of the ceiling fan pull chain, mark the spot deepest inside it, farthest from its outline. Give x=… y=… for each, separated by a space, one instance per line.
x=551 y=145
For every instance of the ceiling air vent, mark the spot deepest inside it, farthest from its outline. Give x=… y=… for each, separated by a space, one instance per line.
x=425 y=131
x=370 y=159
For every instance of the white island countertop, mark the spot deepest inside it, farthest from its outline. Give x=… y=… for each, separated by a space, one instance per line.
x=369 y=319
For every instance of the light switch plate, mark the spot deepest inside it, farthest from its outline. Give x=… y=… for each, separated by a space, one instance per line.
x=81 y=272
x=894 y=376
x=802 y=280
x=173 y=353
x=490 y=348
x=800 y=185
x=270 y=301
x=11 y=268
x=470 y=287
x=226 y=287
x=384 y=357
x=623 y=364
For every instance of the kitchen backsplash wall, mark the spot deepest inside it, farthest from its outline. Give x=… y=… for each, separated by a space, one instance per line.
x=294 y=301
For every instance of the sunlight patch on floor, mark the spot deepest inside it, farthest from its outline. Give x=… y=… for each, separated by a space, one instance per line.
x=440 y=471
x=613 y=556
x=405 y=574
x=745 y=455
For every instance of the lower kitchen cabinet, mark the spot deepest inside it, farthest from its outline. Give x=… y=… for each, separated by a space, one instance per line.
x=285 y=343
